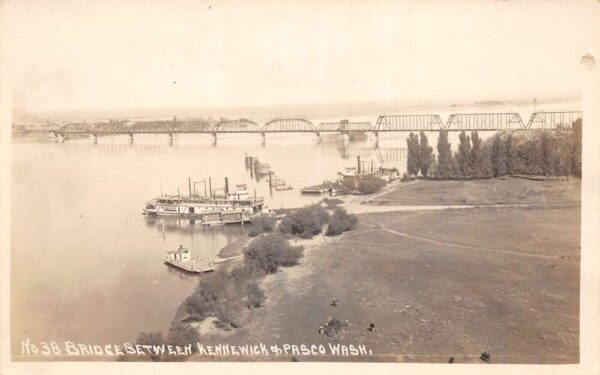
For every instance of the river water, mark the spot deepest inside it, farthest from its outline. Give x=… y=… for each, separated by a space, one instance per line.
x=86 y=265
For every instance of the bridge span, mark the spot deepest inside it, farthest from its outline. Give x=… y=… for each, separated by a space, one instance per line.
x=384 y=123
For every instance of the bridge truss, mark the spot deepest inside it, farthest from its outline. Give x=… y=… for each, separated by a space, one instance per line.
x=110 y=128
x=193 y=126
x=345 y=126
x=553 y=120
x=237 y=126
x=391 y=123
x=288 y=125
x=160 y=127
x=484 y=121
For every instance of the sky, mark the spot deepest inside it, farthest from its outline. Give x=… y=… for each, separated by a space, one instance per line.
x=93 y=55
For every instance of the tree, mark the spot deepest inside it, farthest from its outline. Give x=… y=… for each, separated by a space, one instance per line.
x=341 y=221
x=425 y=155
x=464 y=154
x=151 y=338
x=444 y=155
x=576 y=140
x=433 y=168
x=454 y=170
x=475 y=158
x=256 y=294
x=565 y=161
x=261 y=224
x=509 y=153
x=412 y=160
x=496 y=155
x=305 y=222
x=370 y=184
x=228 y=308
x=546 y=153
x=182 y=334
x=271 y=251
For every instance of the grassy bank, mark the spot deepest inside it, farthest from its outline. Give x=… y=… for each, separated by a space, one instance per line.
x=436 y=284
x=482 y=192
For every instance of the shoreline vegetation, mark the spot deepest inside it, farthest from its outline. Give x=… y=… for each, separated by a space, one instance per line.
x=488 y=214
x=225 y=299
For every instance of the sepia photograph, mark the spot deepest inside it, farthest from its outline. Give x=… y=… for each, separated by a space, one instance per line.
x=351 y=182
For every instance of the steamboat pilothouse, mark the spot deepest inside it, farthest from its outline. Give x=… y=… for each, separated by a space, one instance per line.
x=235 y=207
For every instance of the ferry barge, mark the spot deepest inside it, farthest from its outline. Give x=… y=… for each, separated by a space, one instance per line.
x=227 y=208
x=185 y=261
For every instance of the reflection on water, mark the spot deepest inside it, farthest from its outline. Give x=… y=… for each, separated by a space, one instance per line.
x=87 y=266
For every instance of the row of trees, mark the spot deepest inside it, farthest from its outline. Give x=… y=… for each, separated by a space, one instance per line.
x=420 y=155
x=541 y=152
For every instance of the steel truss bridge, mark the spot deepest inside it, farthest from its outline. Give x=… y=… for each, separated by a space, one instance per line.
x=385 y=123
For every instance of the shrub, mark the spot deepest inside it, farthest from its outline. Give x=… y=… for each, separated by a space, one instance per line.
x=305 y=222
x=261 y=224
x=197 y=307
x=151 y=338
x=369 y=184
x=228 y=308
x=341 y=222
x=271 y=251
x=183 y=334
x=256 y=295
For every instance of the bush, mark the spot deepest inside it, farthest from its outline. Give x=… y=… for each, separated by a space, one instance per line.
x=183 y=334
x=261 y=224
x=341 y=222
x=369 y=184
x=271 y=251
x=197 y=307
x=256 y=295
x=305 y=222
x=151 y=338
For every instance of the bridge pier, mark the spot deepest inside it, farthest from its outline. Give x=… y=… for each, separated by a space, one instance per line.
x=130 y=138
x=214 y=135
x=318 y=137
x=94 y=138
x=376 y=136
x=264 y=139
x=170 y=139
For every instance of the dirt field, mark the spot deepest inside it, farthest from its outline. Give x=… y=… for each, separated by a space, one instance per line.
x=436 y=284
x=482 y=192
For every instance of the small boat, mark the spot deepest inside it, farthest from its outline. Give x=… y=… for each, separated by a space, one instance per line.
x=283 y=187
x=185 y=261
x=315 y=190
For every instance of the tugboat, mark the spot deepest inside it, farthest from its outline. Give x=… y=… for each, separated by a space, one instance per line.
x=183 y=260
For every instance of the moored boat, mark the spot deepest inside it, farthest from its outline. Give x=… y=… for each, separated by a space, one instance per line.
x=227 y=208
x=185 y=261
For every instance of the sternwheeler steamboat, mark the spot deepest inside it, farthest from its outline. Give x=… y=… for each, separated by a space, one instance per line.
x=236 y=207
